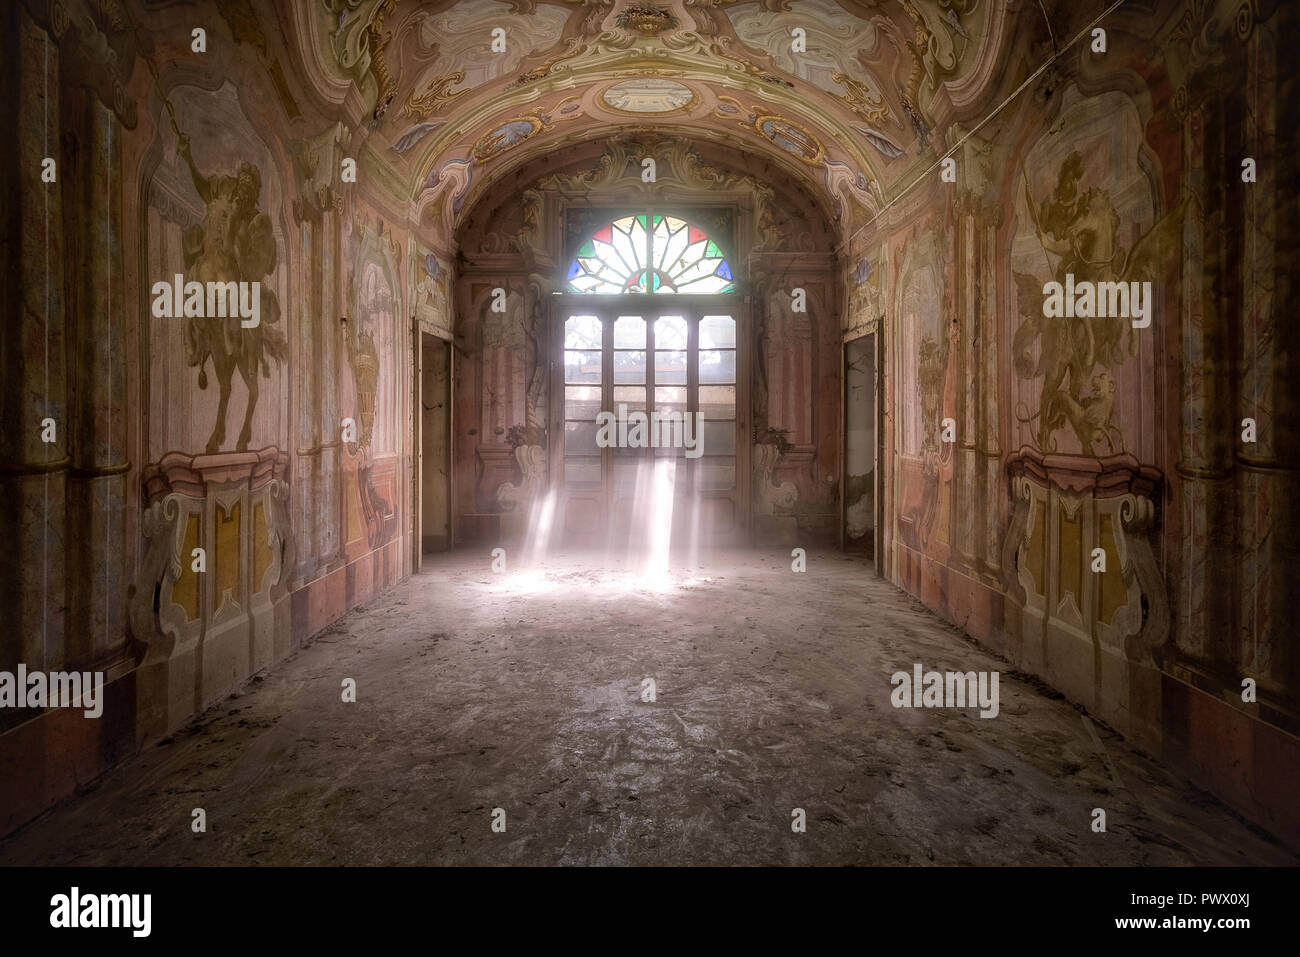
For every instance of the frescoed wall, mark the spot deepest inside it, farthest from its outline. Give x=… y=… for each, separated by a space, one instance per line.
x=222 y=473
x=922 y=399
x=1098 y=477
x=216 y=517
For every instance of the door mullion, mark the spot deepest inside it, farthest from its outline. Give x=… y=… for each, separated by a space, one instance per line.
x=607 y=404
x=651 y=372
x=692 y=389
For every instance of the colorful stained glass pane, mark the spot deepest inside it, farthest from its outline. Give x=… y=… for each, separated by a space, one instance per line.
x=661 y=254
x=696 y=271
x=630 y=250
x=711 y=285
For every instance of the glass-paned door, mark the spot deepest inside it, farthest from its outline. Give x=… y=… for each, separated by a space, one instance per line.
x=649 y=429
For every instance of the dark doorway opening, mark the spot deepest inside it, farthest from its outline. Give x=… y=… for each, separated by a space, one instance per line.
x=435 y=444
x=860 y=459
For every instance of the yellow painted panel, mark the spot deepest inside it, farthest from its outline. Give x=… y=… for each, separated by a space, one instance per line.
x=186 y=590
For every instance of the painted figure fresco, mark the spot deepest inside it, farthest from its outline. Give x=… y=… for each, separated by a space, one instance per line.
x=235 y=243
x=1081 y=229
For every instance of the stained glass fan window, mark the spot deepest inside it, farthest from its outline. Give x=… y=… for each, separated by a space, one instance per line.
x=650 y=254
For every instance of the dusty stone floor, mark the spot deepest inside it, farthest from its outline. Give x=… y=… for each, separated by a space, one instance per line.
x=478 y=690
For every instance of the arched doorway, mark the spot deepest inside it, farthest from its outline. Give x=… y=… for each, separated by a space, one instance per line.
x=713 y=292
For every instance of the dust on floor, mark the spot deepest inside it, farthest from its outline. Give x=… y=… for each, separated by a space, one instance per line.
x=478 y=690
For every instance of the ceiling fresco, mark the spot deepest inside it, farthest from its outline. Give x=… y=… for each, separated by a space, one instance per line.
x=838 y=44
x=458 y=45
x=451 y=103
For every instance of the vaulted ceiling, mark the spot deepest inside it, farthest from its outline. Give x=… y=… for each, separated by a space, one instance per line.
x=449 y=111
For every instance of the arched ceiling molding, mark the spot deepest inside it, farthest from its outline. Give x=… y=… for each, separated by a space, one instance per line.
x=460 y=174
x=421 y=70
x=698 y=67
x=597 y=55
x=607 y=172
x=407 y=62
x=370 y=56
x=899 y=57
x=453 y=188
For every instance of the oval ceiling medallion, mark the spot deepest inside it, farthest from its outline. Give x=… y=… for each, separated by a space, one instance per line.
x=648 y=95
